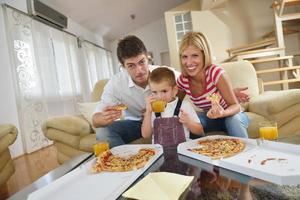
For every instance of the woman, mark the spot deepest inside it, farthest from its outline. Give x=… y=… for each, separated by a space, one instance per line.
x=200 y=79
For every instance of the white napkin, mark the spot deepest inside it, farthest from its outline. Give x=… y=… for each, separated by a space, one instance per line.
x=159 y=185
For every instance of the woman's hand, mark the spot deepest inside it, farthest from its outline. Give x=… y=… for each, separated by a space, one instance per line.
x=241 y=94
x=216 y=111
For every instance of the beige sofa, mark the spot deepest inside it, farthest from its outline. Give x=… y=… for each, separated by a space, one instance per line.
x=8 y=134
x=73 y=135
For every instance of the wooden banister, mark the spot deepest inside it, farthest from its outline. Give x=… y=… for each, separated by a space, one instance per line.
x=254 y=45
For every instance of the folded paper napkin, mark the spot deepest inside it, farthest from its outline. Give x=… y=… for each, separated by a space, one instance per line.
x=159 y=185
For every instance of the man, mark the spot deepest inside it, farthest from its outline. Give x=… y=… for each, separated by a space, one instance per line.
x=129 y=87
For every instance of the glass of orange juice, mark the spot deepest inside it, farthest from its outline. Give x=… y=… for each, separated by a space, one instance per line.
x=158 y=105
x=268 y=130
x=100 y=147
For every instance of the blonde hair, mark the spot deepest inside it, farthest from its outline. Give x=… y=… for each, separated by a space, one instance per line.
x=198 y=40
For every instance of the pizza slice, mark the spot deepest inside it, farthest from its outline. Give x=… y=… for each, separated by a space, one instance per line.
x=109 y=162
x=213 y=97
x=120 y=107
x=219 y=148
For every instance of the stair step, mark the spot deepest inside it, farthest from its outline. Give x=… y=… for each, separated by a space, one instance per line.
x=290 y=16
x=291 y=2
x=281 y=81
x=262 y=50
x=271 y=59
x=277 y=69
x=286 y=31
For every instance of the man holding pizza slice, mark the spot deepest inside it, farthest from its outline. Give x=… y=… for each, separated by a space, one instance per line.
x=129 y=87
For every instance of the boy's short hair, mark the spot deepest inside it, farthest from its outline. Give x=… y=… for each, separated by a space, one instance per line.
x=129 y=47
x=161 y=74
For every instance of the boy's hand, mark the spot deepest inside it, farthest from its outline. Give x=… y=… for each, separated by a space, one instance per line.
x=149 y=100
x=184 y=117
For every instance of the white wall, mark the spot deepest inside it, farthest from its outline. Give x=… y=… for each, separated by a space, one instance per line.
x=153 y=35
x=8 y=107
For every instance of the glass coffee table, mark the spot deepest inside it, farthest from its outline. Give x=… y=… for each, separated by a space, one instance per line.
x=210 y=182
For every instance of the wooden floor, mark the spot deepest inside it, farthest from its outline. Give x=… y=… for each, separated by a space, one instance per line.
x=28 y=169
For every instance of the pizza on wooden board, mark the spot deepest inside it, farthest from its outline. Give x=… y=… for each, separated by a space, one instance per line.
x=107 y=161
x=219 y=148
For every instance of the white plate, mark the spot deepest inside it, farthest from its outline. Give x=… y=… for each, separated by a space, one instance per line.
x=283 y=170
x=82 y=184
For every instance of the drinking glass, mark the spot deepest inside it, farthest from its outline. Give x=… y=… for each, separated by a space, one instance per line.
x=158 y=106
x=100 y=147
x=268 y=130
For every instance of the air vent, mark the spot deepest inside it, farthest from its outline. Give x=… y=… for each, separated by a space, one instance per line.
x=44 y=13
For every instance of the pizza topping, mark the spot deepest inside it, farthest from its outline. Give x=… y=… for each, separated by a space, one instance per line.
x=120 y=107
x=107 y=161
x=281 y=160
x=263 y=162
x=219 y=148
x=213 y=97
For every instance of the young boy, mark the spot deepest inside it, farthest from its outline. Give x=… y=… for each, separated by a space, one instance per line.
x=174 y=124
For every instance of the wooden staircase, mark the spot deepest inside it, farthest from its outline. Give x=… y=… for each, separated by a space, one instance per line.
x=272 y=47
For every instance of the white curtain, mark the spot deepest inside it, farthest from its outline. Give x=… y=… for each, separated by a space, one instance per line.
x=98 y=62
x=46 y=74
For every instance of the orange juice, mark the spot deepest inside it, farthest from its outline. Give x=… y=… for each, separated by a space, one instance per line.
x=268 y=133
x=158 y=106
x=100 y=147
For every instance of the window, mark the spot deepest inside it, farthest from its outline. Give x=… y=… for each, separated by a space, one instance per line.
x=183 y=24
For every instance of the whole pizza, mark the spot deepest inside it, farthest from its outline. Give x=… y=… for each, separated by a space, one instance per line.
x=219 y=148
x=107 y=161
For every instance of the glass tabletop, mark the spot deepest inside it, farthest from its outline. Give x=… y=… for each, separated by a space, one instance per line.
x=212 y=182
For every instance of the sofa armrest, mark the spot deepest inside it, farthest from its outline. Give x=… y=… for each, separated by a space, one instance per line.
x=8 y=134
x=73 y=124
x=273 y=102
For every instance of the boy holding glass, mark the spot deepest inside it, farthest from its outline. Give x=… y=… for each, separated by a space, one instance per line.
x=169 y=119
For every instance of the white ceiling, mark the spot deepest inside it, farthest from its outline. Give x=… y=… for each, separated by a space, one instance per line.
x=111 y=18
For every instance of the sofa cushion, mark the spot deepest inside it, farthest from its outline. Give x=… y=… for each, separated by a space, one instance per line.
x=253 y=126
x=63 y=137
x=87 y=110
x=87 y=142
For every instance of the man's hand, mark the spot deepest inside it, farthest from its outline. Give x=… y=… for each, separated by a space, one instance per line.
x=240 y=94
x=106 y=117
